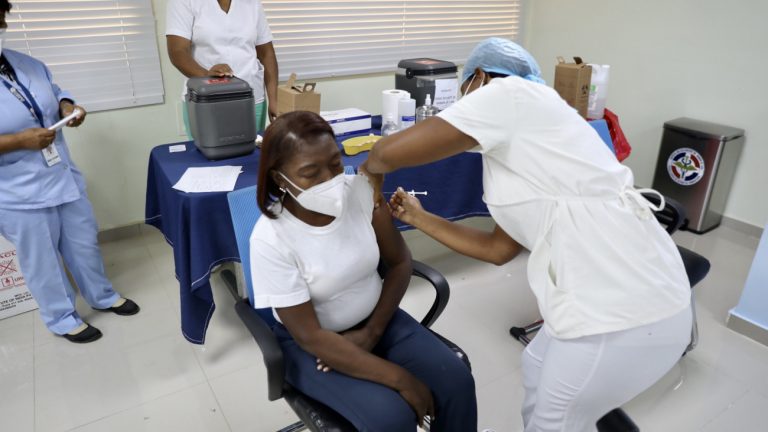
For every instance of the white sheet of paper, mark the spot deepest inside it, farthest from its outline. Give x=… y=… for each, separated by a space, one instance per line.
x=209 y=179
x=177 y=148
x=446 y=92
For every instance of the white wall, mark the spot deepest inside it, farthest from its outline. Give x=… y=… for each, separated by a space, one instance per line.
x=704 y=59
x=112 y=148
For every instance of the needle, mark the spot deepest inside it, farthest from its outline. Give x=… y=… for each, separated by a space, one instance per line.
x=411 y=192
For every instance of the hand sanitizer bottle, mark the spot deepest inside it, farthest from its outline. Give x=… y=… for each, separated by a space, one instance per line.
x=389 y=127
x=426 y=111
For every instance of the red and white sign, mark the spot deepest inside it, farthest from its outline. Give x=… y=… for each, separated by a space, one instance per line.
x=15 y=298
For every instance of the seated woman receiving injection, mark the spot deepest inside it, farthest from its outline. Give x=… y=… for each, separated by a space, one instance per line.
x=314 y=257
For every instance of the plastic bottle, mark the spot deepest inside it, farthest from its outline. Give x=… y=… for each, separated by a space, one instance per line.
x=406 y=110
x=598 y=91
x=426 y=111
x=389 y=126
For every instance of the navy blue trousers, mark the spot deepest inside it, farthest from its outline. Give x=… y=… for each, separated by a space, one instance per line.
x=372 y=407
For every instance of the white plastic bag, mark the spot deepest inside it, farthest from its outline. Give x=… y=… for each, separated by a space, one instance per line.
x=598 y=91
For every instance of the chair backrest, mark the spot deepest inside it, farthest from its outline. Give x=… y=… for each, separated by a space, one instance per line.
x=245 y=213
x=672 y=216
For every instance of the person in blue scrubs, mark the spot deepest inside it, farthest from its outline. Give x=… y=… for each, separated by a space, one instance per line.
x=44 y=209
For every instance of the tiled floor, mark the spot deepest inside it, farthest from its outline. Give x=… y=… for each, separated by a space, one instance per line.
x=143 y=376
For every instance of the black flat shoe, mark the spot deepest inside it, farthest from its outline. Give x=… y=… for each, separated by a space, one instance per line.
x=90 y=334
x=127 y=308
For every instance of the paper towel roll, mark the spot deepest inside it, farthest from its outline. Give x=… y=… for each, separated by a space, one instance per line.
x=390 y=99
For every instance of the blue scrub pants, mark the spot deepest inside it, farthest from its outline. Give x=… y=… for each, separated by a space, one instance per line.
x=40 y=235
x=372 y=407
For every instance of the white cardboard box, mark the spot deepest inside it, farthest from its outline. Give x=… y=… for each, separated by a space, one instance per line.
x=348 y=121
x=15 y=298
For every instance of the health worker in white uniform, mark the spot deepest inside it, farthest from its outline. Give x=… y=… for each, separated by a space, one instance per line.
x=44 y=209
x=224 y=38
x=609 y=281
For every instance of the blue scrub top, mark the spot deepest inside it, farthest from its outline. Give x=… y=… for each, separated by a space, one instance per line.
x=26 y=181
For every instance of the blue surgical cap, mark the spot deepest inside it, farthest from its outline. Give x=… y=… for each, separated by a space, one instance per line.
x=502 y=56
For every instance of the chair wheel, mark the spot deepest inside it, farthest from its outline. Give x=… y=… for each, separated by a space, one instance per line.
x=617 y=421
x=517 y=332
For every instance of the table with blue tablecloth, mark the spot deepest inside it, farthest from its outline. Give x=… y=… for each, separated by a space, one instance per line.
x=199 y=228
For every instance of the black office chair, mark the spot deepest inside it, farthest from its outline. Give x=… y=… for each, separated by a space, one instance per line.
x=314 y=415
x=672 y=217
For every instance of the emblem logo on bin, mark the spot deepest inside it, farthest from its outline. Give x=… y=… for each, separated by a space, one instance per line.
x=685 y=166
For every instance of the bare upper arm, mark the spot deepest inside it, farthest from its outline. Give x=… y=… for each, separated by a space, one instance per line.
x=301 y=322
x=177 y=45
x=266 y=48
x=505 y=247
x=392 y=247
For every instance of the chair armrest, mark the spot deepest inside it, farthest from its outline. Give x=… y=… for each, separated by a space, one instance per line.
x=672 y=216
x=442 y=291
x=696 y=266
x=271 y=351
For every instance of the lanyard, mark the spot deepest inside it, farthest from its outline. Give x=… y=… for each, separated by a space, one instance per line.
x=28 y=102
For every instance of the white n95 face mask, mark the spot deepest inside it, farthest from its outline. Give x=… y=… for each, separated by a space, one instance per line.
x=326 y=198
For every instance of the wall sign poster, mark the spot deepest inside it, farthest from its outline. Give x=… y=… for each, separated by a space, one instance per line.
x=15 y=298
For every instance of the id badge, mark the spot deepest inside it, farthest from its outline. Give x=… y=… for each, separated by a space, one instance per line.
x=51 y=155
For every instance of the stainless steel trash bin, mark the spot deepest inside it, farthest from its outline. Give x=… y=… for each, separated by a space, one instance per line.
x=696 y=165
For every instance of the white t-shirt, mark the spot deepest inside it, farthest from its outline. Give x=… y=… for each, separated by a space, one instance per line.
x=220 y=37
x=334 y=266
x=599 y=260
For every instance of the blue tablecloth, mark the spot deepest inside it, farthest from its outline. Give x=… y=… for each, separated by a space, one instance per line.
x=199 y=228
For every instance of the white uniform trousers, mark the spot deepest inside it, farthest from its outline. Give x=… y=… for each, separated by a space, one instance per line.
x=571 y=383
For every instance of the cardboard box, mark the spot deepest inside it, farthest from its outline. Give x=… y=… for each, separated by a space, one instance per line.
x=348 y=121
x=15 y=298
x=291 y=97
x=572 y=81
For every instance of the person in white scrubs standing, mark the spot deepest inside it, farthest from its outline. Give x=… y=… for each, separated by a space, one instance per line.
x=609 y=281
x=225 y=38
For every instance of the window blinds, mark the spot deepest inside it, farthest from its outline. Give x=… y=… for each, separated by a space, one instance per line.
x=103 y=52
x=323 y=38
